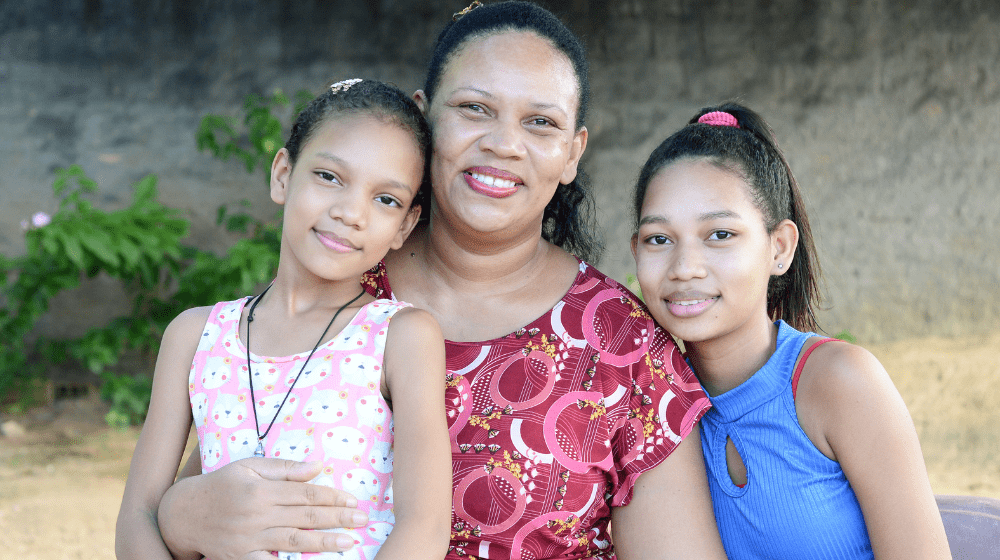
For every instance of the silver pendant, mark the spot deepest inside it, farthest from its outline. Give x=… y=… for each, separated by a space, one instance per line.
x=260 y=449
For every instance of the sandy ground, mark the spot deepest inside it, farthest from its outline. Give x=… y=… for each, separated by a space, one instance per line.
x=61 y=483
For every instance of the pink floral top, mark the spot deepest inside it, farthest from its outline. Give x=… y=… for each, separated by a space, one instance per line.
x=335 y=413
x=552 y=425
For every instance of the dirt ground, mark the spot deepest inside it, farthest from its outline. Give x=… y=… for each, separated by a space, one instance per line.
x=61 y=482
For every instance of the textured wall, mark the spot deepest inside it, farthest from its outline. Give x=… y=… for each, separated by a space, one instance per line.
x=888 y=111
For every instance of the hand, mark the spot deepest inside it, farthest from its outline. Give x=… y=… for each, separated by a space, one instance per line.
x=253 y=506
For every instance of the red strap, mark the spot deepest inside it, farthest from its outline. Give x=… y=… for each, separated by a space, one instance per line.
x=802 y=363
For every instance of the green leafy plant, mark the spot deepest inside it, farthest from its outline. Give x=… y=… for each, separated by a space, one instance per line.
x=141 y=245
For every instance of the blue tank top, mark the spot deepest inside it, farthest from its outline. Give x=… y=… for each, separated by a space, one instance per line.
x=797 y=503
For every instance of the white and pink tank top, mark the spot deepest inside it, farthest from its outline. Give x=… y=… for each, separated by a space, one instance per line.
x=335 y=413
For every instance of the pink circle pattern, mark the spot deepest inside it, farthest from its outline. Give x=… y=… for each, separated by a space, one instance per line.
x=552 y=424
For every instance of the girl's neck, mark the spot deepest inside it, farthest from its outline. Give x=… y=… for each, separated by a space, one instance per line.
x=723 y=363
x=295 y=293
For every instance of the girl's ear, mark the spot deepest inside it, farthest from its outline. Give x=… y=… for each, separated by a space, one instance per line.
x=784 y=240
x=635 y=245
x=409 y=222
x=281 y=173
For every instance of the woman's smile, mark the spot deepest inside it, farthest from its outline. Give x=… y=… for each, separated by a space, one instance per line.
x=492 y=182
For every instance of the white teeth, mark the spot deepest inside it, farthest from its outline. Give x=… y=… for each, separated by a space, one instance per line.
x=494 y=181
x=690 y=302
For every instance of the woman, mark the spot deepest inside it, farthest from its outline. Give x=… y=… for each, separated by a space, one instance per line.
x=562 y=391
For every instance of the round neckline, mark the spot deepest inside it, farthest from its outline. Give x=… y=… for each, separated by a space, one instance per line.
x=259 y=359
x=582 y=267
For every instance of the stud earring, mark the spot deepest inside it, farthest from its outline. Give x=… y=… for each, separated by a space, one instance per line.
x=781 y=265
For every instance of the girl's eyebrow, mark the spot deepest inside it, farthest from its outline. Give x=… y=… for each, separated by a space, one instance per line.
x=706 y=217
x=397 y=185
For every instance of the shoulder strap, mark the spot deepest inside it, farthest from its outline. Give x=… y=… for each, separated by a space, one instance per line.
x=802 y=363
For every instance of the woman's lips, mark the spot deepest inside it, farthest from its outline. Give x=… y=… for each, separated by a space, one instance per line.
x=689 y=307
x=335 y=242
x=492 y=182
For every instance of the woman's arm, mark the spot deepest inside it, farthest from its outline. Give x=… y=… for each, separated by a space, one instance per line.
x=161 y=444
x=670 y=515
x=850 y=409
x=421 y=473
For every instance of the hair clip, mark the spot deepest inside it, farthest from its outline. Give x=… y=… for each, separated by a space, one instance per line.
x=344 y=85
x=719 y=118
x=475 y=4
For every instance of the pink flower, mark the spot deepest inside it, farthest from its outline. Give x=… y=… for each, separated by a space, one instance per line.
x=41 y=219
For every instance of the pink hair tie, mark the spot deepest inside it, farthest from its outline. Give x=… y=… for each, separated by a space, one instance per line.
x=719 y=118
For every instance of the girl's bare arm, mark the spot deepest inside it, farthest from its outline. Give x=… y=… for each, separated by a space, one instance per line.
x=851 y=411
x=415 y=374
x=161 y=443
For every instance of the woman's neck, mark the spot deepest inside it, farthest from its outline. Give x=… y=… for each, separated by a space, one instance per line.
x=724 y=362
x=471 y=259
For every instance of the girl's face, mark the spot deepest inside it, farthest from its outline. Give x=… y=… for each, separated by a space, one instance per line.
x=348 y=198
x=703 y=256
x=503 y=122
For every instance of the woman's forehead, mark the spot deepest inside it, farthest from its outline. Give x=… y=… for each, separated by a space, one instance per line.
x=512 y=62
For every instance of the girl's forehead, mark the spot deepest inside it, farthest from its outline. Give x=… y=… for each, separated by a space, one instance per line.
x=690 y=183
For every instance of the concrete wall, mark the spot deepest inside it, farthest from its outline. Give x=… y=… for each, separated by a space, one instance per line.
x=889 y=113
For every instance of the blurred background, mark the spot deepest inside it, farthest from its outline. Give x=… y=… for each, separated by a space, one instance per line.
x=888 y=111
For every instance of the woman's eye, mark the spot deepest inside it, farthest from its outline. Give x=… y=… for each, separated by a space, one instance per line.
x=388 y=200
x=542 y=121
x=657 y=240
x=474 y=107
x=721 y=235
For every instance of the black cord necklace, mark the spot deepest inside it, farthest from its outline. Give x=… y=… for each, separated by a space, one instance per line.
x=256 y=424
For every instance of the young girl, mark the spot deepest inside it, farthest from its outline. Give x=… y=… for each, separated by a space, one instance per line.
x=313 y=368
x=809 y=449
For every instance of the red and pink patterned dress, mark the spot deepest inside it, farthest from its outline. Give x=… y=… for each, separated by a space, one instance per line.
x=552 y=425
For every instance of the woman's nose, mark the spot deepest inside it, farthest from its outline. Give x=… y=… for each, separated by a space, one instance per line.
x=504 y=139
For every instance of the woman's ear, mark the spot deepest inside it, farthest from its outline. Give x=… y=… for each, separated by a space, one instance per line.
x=576 y=149
x=635 y=246
x=422 y=102
x=281 y=174
x=784 y=240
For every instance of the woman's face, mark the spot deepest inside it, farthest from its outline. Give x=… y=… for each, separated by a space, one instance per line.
x=504 y=128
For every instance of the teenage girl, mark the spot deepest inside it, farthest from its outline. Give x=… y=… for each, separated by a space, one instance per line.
x=313 y=368
x=809 y=448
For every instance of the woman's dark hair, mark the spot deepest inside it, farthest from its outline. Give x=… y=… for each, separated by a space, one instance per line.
x=751 y=152
x=384 y=102
x=569 y=220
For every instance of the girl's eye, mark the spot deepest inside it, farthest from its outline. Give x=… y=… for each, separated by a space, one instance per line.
x=721 y=235
x=388 y=200
x=327 y=176
x=657 y=240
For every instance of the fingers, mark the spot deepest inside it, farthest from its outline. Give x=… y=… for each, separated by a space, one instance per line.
x=296 y=540
x=322 y=517
x=281 y=469
x=302 y=494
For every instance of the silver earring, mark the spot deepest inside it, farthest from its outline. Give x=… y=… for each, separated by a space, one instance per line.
x=781 y=265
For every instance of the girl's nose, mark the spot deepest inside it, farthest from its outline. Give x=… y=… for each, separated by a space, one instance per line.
x=504 y=139
x=687 y=263
x=351 y=208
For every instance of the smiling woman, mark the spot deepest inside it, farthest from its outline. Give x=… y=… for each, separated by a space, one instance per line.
x=567 y=406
